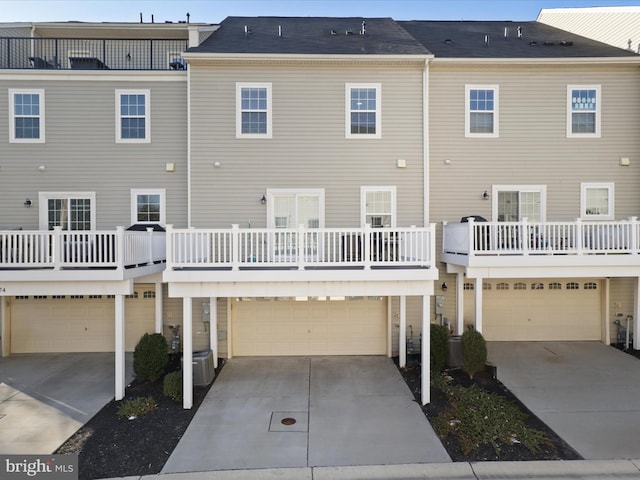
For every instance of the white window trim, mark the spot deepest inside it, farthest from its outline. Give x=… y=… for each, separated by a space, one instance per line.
x=363 y=200
x=583 y=201
x=239 y=87
x=467 y=111
x=570 y=133
x=148 y=191
x=12 y=117
x=147 y=116
x=542 y=189
x=43 y=210
x=378 y=111
x=272 y=192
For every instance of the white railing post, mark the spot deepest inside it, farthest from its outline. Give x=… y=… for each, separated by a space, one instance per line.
x=235 y=246
x=525 y=236
x=56 y=247
x=150 y=245
x=169 y=247
x=472 y=230
x=302 y=246
x=633 y=235
x=367 y=246
x=579 y=236
x=444 y=236
x=431 y=248
x=120 y=253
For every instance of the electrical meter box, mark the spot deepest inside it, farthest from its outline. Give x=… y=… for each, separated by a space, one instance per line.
x=439 y=304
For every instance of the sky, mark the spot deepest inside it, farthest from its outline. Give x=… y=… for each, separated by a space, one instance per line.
x=214 y=11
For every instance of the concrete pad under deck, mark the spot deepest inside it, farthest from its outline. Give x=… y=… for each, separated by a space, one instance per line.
x=45 y=398
x=359 y=410
x=587 y=392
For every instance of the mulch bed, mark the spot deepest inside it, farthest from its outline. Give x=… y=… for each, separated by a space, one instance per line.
x=556 y=449
x=109 y=446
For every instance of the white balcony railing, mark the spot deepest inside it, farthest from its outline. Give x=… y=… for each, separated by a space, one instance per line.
x=551 y=238
x=58 y=249
x=301 y=248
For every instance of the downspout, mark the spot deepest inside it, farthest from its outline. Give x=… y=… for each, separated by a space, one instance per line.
x=425 y=136
x=189 y=146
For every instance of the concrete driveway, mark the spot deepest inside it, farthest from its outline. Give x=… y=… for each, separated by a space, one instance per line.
x=45 y=398
x=587 y=392
x=347 y=411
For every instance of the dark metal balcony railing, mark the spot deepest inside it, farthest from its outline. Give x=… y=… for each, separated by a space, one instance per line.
x=91 y=54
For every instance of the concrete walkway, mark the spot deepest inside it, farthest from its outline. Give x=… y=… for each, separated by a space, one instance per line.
x=587 y=392
x=348 y=411
x=45 y=398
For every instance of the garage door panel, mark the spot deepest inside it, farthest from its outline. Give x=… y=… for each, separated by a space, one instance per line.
x=545 y=314
x=312 y=327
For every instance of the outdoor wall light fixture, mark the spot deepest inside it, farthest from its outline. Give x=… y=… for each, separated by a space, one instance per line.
x=263 y=200
x=27 y=203
x=42 y=168
x=444 y=287
x=485 y=195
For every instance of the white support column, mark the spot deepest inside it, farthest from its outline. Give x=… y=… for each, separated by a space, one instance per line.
x=389 y=328
x=606 y=301
x=187 y=353
x=425 y=352
x=120 y=366
x=159 y=305
x=4 y=328
x=478 y=304
x=636 y=317
x=459 y=304
x=213 y=329
x=402 y=335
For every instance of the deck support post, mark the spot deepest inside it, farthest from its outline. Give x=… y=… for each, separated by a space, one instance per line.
x=187 y=353
x=425 y=352
x=402 y=334
x=459 y=303
x=478 y=304
x=159 y=311
x=120 y=341
x=213 y=329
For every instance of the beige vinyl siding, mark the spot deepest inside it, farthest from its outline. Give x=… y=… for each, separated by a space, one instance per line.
x=621 y=301
x=308 y=148
x=80 y=153
x=533 y=147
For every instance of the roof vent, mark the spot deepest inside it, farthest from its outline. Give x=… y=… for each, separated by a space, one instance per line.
x=333 y=32
x=486 y=40
x=519 y=30
x=363 y=30
x=564 y=43
x=506 y=32
x=247 y=30
x=533 y=43
x=448 y=41
x=279 y=30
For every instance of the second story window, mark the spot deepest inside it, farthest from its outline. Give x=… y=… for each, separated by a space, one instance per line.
x=253 y=110
x=148 y=206
x=596 y=201
x=583 y=111
x=71 y=211
x=481 y=111
x=363 y=111
x=132 y=116
x=26 y=108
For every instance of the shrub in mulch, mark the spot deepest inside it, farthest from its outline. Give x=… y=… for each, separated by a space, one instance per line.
x=439 y=347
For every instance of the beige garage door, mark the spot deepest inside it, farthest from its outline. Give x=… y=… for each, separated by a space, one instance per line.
x=539 y=309
x=78 y=323
x=314 y=326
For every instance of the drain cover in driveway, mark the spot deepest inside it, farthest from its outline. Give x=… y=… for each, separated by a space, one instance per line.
x=289 y=422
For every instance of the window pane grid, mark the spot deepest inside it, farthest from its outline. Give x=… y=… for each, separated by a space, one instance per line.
x=363 y=104
x=133 y=116
x=26 y=110
x=254 y=110
x=148 y=208
x=584 y=109
x=481 y=111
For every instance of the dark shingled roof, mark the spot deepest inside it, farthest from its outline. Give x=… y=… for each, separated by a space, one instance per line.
x=466 y=39
x=312 y=36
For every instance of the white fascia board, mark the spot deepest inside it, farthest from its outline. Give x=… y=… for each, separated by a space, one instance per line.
x=541 y=61
x=91 y=75
x=123 y=287
x=324 y=58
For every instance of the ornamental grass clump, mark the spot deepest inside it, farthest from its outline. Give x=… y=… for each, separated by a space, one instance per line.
x=474 y=352
x=136 y=407
x=150 y=357
x=172 y=385
x=439 y=347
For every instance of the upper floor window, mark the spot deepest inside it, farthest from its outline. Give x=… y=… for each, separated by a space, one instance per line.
x=148 y=206
x=253 y=110
x=132 y=116
x=596 y=201
x=26 y=110
x=481 y=117
x=71 y=211
x=583 y=111
x=378 y=206
x=363 y=111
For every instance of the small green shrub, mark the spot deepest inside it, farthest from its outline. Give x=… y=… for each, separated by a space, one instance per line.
x=474 y=352
x=172 y=385
x=150 y=357
x=136 y=407
x=439 y=347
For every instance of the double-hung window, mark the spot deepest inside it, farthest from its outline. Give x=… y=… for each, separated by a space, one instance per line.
x=363 y=110
x=596 y=201
x=583 y=111
x=26 y=110
x=133 y=123
x=148 y=206
x=481 y=116
x=71 y=211
x=253 y=110
x=512 y=203
x=378 y=206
